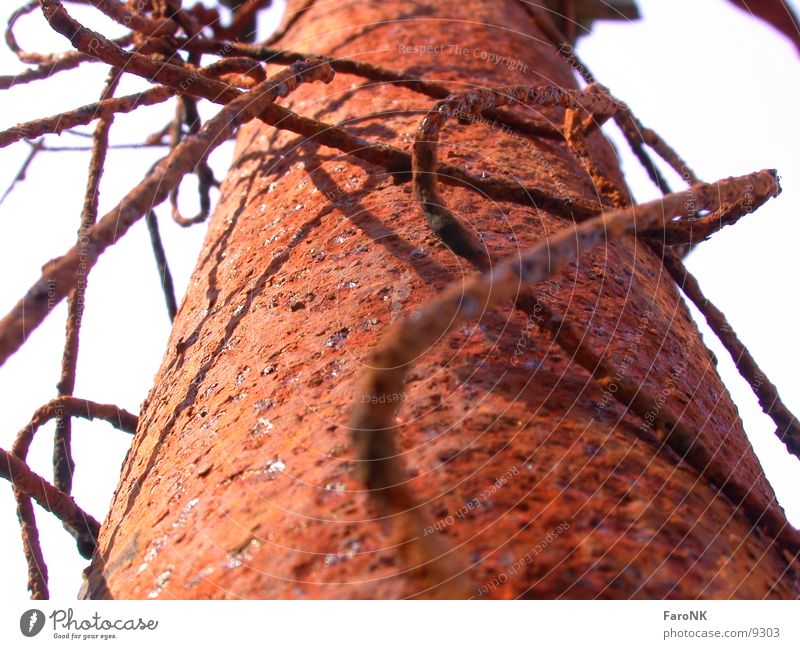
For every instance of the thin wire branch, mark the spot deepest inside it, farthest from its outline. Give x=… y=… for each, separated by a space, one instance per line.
x=11 y=40
x=73 y=407
x=288 y=22
x=653 y=172
x=84 y=115
x=31 y=547
x=636 y=134
x=530 y=127
x=66 y=61
x=51 y=499
x=574 y=133
x=23 y=170
x=685 y=231
x=694 y=230
x=372 y=420
x=36 y=58
x=788 y=428
x=121 y=14
x=240 y=71
x=85 y=40
x=398 y=162
x=243 y=23
x=120 y=147
x=126 y=104
x=47 y=64
x=164 y=274
x=63 y=463
x=632 y=129
x=275 y=115
x=61 y=274
x=464 y=106
x=187 y=114
x=55 y=409
x=75 y=132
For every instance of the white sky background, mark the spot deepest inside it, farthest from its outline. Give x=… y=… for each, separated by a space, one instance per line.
x=718 y=85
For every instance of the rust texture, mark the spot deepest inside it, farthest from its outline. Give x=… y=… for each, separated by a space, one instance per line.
x=242 y=480
x=373 y=425
x=55 y=409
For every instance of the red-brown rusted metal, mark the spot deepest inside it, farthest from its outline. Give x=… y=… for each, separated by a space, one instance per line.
x=241 y=480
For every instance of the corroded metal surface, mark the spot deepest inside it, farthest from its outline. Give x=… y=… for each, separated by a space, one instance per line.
x=241 y=480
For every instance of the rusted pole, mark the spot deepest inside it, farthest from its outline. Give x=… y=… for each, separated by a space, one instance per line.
x=242 y=480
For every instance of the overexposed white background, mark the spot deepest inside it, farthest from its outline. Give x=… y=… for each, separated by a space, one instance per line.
x=717 y=84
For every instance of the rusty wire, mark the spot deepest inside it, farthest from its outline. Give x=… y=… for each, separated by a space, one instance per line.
x=63 y=464
x=372 y=421
x=688 y=231
x=161 y=36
